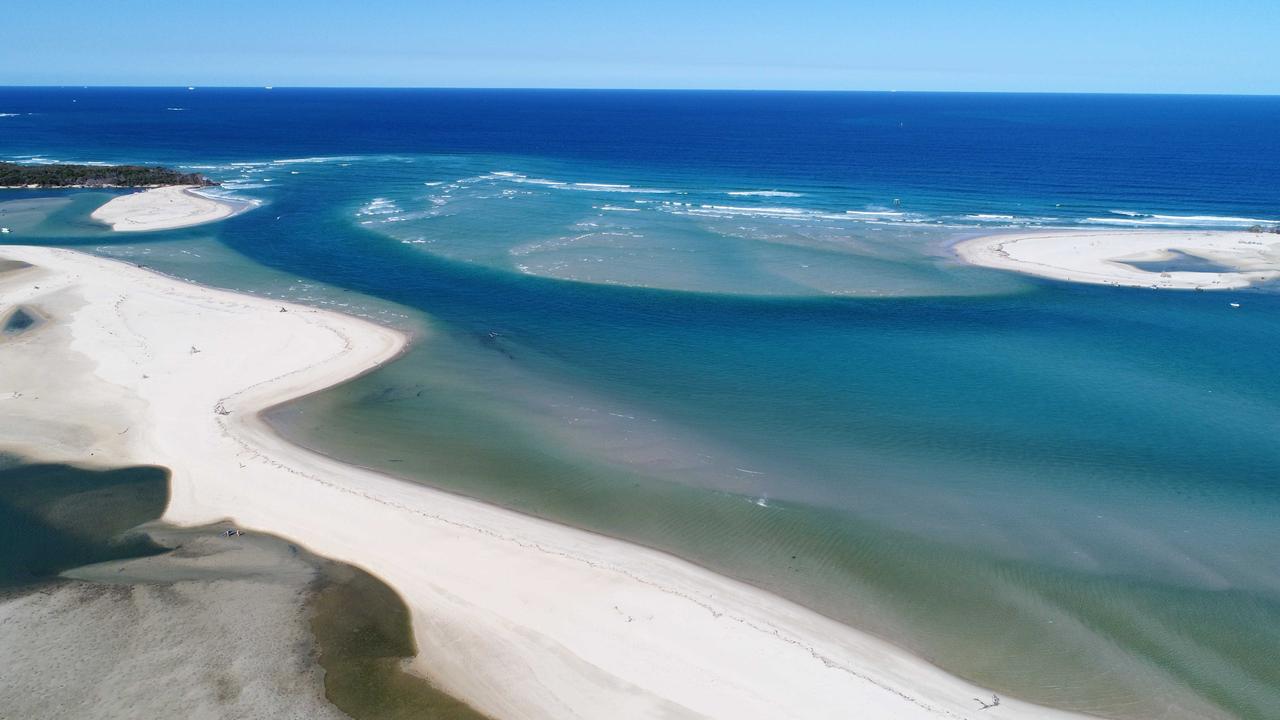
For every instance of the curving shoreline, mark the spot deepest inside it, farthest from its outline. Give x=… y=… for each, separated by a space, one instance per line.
x=165 y=208
x=521 y=617
x=1223 y=260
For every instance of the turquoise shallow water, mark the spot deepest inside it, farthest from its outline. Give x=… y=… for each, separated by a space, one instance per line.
x=1065 y=492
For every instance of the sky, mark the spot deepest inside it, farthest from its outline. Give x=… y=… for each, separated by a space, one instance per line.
x=1175 y=46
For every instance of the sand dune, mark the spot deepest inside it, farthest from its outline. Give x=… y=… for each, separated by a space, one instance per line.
x=520 y=617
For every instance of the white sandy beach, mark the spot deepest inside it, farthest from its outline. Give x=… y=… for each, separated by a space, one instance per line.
x=1101 y=256
x=163 y=208
x=521 y=617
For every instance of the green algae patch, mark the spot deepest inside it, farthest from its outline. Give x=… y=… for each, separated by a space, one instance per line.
x=363 y=632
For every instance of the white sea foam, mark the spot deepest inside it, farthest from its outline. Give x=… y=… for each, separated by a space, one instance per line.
x=380 y=207
x=875 y=213
x=1215 y=219
x=316 y=160
x=1129 y=218
x=1193 y=218
x=728 y=210
x=42 y=160
x=515 y=177
x=1139 y=222
x=764 y=193
x=510 y=176
x=228 y=195
x=10 y=114
x=1000 y=219
x=34 y=160
x=258 y=165
x=538 y=181
x=616 y=188
x=242 y=185
x=780 y=213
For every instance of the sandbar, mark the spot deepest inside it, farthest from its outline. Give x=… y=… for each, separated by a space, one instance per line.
x=1161 y=259
x=164 y=208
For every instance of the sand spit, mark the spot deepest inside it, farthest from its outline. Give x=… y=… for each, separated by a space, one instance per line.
x=164 y=208
x=520 y=617
x=1162 y=259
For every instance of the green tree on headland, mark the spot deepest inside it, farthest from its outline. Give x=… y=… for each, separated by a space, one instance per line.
x=53 y=176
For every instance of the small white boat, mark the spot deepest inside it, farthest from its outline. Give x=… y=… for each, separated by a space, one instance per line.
x=4 y=231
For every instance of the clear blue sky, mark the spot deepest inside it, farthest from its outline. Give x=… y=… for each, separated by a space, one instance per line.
x=1033 y=45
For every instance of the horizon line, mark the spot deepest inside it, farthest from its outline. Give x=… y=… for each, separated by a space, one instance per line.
x=108 y=86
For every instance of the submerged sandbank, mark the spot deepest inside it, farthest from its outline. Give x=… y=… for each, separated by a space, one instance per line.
x=520 y=617
x=1173 y=259
x=217 y=629
x=165 y=208
x=101 y=617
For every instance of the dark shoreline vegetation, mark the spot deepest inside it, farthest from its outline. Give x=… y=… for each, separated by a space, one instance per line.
x=95 y=176
x=55 y=517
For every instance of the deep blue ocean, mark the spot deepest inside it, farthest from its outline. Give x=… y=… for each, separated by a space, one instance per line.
x=729 y=325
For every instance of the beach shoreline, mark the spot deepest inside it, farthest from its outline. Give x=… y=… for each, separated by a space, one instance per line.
x=1222 y=260
x=165 y=208
x=521 y=617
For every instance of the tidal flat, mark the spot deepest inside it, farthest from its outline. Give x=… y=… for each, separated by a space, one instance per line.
x=106 y=612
